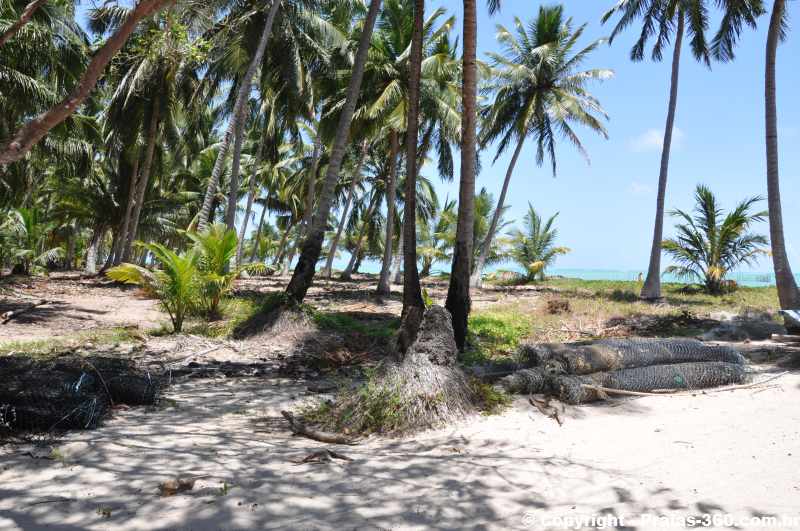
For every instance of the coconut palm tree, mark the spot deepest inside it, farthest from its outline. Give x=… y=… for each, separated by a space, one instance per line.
x=708 y=247
x=663 y=20
x=36 y=128
x=24 y=17
x=534 y=247
x=458 y=301
x=788 y=294
x=312 y=246
x=540 y=93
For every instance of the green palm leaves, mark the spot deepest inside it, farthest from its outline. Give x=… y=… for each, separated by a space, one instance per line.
x=28 y=239
x=194 y=281
x=708 y=246
x=534 y=248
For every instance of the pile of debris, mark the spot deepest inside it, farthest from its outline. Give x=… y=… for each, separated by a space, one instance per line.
x=69 y=392
x=585 y=372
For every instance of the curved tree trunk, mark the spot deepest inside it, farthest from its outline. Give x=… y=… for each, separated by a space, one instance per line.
x=33 y=131
x=326 y=272
x=652 y=283
x=391 y=199
x=788 y=294
x=251 y=196
x=241 y=100
x=477 y=279
x=312 y=246
x=413 y=305
x=347 y=274
x=23 y=19
x=257 y=240
x=236 y=166
x=458 y=299
x=143 y=181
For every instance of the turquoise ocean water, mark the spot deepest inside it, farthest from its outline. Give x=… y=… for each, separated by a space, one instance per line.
x=744 y=278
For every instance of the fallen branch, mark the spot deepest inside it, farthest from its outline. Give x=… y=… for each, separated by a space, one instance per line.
x=666 y=392
x=321 y=456
x=8 y=316
x=298 y=427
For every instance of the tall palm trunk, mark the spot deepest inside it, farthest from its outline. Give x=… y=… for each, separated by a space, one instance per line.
x=391 y=199
x=413 y=305
x=326 y=273
x=282 y=245
x=308 y=214
x=92 y=250
x=236 y=164
x=241 y=100
x=122 y=233
x=788 y=294
x=477 y=280
x=347 y=274
x=251 y=196
x=397 y=261
x=458 y=299
x=312 y=246
x=143 y=180
x=23 y=19
x=257 y=240
x=36 y=129
x=652 y=283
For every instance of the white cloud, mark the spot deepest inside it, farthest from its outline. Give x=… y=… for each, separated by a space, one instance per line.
x=653 y=140
x=637 y=188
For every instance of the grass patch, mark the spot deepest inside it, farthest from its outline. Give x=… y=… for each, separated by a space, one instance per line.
x=233 y=311
x=344 y=323
x=494 y=334
x=95 y=339
x=491 y=400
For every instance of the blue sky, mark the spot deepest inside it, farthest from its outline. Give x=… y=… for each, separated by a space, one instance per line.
x=607 y=208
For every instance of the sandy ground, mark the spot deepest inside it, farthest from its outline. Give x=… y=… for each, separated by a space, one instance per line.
x=74 y=305
x=731 y=453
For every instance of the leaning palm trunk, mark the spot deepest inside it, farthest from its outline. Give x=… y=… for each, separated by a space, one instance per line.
x=23 y=19
x=413 y=305
x=788 y=294
x=652 y=283
x=236 y=165
x=33 y=131
x=312 y=184
x=257 y=239
x=142 y=182
x=282 y=245
x=241 y=100
x=251 y=195
x=312 y=246
x=326 y=273
x=391 y=198
x=458 y=300
x=347 y=274
x=477 y=280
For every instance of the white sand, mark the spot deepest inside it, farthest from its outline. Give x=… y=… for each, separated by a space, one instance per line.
x=734 y=453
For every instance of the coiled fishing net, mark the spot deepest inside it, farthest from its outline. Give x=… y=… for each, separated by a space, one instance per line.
x=578 y=389
x=70 y=392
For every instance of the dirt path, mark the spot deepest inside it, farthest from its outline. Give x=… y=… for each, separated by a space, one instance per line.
x=75 y=306
x=733 y=453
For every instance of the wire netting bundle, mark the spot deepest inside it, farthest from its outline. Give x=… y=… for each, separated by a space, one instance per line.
x=69 y=392
x=614 y=354
x=527 y=381
x=579 y=389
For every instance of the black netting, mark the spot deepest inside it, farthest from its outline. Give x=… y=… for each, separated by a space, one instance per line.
x=574 y=390
x=69 y=392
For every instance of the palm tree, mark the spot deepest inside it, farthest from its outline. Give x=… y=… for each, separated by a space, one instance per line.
x=24 y=18
x=235 y=129
x=788 y=294
x=312 y=246
x=458 y=301
x=659 y=19
x=36 y=129
x=534 y=248
x=708 y=247
x=539 y=93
